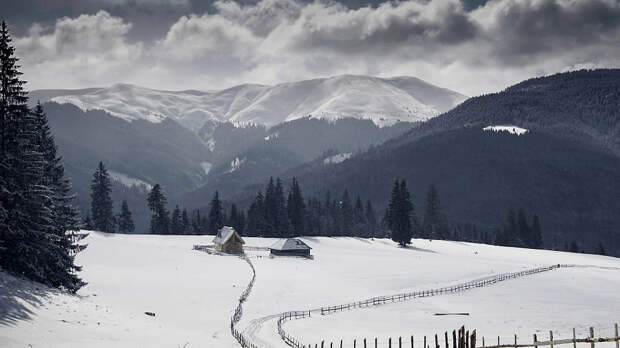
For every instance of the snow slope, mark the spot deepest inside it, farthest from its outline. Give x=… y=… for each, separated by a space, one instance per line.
x=194 y=294
x=384 y=101
x=191 y=293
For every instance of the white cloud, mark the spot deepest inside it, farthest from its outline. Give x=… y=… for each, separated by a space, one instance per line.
x=280 y=40
x=83 y=50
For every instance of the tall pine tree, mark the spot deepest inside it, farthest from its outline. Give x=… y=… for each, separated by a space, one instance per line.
x=434 y=224
x=160 y=219
x=296 y=209
x=176 y=222
x=125 y=221
x=399 y=214
x=101 y=206
x=216 y=214
x=38 y=225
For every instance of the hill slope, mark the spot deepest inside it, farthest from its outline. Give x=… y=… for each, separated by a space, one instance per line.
x=565 y=168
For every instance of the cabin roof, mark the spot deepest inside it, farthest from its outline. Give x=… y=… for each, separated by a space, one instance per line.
x=289 y=244
x=225 y=234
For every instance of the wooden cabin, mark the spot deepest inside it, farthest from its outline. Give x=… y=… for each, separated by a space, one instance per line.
x=290 y=247
x=228 y=240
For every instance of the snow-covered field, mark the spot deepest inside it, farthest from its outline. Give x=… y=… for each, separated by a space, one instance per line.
x=193 y=293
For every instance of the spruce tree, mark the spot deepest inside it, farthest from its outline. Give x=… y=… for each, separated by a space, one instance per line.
x=601 y=249
x=185 y=222
x=346 y=212
x=537 y=241
x=38 y=225
x=359 y=219
x=101 y=206
x=399 y=214
x=125 y=221
x=256 y=223
x=371 y=219
x=65 y=217
x=296 y=209
x=197 y=223
x=524 y=234
x=281 y=222
x=87 y=222
x=160 y=219
x=434 y=224
x=176 y=223
x=216 y=215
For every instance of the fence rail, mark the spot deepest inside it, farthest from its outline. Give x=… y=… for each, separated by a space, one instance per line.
x=434 y=292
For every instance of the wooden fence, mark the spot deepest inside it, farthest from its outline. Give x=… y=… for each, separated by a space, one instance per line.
x=459 y=339
x=434 y=292
x=238 y=335
x=380 y=300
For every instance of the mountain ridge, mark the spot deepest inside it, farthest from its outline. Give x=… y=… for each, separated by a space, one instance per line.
x=382 y=100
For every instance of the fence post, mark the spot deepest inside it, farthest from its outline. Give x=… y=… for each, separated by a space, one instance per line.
x=574 y=339
x=515 y=340
x=364 y=343
x=390 y=342
x=424 y=341
x=535 y=341
x=436 y=343
x=617 y=339
x=591 y=337
x=340 y=343
x=354 y=343
x=467 y=339
x=551 y=338
x=412 y=341
x=483 y=341
x=473 y=339
x=375 y=342
x=400 y=342
x=446 y=339
x=322 y=343
x=454 y=339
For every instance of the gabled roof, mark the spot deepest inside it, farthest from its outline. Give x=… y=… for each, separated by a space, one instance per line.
x=224 y=234
x=290 y=244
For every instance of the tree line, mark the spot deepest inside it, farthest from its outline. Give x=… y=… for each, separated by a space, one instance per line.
x=39 y=226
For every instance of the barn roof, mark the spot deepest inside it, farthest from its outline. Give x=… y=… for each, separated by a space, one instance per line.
x=290 y=244
x=224 y=234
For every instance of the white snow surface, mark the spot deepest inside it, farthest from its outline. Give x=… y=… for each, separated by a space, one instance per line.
x=508 y=128
x=382 y=100
x=128 y=180
x=236 y=163
x=194 y=293
x=206 y=166
x=337 y=158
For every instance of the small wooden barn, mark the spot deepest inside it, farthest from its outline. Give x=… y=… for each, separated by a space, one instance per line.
x=228 y=240
x=290 y=247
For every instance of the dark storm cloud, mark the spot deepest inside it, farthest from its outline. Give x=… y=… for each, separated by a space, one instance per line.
x=473 y=46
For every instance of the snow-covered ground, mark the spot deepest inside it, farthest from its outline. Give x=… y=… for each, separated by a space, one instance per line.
x=510 y=129
x=193 y=293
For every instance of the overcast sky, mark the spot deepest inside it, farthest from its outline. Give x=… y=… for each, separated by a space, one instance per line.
x=472 y=47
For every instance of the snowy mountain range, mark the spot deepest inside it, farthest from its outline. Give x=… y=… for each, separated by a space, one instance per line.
x=385 y=101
